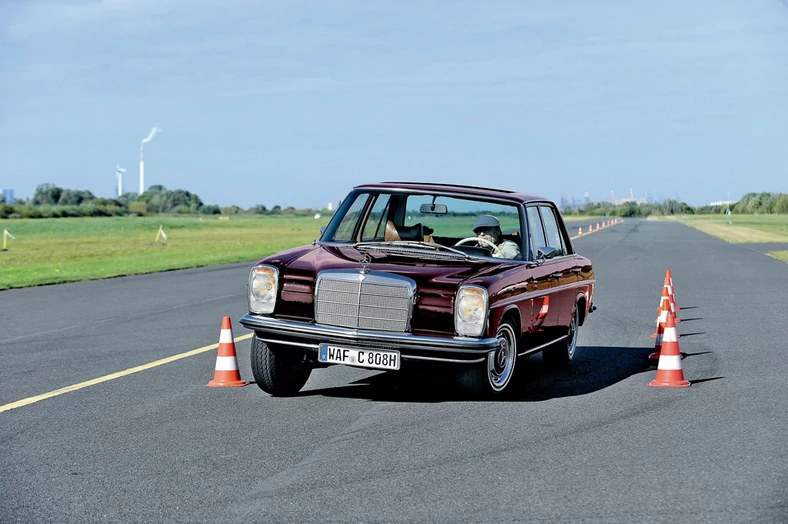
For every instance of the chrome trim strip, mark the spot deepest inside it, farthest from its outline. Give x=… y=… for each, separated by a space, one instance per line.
x=450 y=360
x=537 y=348
x=300 y=344
x=316 y=347
x=317 y=332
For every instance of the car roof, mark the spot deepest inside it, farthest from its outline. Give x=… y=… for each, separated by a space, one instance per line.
x=457 y=189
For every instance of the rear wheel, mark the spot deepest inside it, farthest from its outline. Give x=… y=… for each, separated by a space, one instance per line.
x=492 y=377
x=278 y=372
x=563 y=351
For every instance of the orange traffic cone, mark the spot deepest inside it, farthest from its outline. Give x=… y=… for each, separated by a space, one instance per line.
x=669 y=372
x=662 y=313
x=657 y=343
x=226 y=373
x=580 y=231
x=590 y=228
x=666 y=288
x=669 y=280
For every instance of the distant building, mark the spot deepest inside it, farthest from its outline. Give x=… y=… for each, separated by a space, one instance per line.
x=8 y=196
x=722 y=203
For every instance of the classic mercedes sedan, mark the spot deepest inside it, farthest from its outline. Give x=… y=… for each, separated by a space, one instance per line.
x=413 y=273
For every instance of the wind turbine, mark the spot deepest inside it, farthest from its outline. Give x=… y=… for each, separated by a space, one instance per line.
x=119 y=172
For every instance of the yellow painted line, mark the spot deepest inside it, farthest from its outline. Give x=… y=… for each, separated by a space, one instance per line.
x=113 y=376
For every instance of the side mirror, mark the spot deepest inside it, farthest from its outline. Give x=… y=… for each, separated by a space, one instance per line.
x=545 y=253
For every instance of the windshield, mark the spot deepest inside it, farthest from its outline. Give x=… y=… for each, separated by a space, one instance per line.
x=474 y=227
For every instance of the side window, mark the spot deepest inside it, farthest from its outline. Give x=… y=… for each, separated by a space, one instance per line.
x=412 y=214
x=554 y=238
x=344 y=232
x=376 y=222
x=536 y=238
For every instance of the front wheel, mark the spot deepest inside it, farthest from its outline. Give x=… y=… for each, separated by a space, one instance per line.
x=563 y=351
x=278 y=372
x=496 y=372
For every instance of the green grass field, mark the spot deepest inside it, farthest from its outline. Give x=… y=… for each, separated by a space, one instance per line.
x=744 y=229
x=50 y=251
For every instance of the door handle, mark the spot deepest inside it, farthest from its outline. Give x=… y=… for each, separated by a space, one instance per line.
x=557 y=275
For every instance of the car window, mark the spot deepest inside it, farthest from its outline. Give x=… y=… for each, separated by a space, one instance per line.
x=458 y=222
x=344 y=232
x=552 y=231
x=536 y=237
x=376 y=222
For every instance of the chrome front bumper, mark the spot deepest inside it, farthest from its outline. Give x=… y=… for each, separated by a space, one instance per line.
x=411 y=347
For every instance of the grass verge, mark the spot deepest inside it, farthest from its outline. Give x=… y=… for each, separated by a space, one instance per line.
x=52 y=251
x=742 y=229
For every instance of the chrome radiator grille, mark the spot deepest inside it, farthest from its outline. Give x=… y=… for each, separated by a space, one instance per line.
x=378 y=301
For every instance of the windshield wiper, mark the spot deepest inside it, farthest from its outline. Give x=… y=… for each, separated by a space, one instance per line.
x=410 y=243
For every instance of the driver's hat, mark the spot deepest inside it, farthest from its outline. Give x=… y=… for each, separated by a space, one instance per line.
x=485 y=222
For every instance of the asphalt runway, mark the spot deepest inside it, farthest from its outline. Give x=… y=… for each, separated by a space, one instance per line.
x=593 y=443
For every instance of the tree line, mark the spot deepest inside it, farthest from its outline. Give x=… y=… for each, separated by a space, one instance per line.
x=750 y=204
x=51 y=201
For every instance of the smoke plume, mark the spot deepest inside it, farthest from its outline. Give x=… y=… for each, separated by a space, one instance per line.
x=152 y=133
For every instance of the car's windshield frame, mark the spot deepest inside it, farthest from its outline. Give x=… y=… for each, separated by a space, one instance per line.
x=372 y=196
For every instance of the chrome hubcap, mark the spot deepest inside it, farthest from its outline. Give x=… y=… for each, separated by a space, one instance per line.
x=572 y=337
x=500 y=363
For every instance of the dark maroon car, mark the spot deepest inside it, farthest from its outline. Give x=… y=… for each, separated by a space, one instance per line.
x=414 y=273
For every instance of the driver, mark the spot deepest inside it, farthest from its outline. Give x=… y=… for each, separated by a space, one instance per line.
x=487 y=227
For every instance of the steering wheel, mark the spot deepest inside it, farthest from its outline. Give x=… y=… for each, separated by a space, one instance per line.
x=495 y=249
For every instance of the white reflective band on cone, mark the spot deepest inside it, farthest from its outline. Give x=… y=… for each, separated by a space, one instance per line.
x=669 y=362
x=226 y=336
x=226 y=363
x=669 y=335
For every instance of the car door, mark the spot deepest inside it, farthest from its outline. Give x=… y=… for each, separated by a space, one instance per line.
x=545 y=318
x=562 y=263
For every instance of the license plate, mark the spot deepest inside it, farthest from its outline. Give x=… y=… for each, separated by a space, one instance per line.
x=365 y=358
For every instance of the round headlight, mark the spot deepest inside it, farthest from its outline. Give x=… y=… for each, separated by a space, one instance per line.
x=471 y=308
x=263 y=284
x=264 y=287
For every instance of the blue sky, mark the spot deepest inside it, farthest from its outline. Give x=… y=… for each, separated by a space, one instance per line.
x=293 y=103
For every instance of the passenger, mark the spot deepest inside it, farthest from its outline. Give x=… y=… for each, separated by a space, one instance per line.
x=487 y=227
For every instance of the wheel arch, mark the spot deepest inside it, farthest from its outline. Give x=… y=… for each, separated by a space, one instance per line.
x=582 y=309
x=512 y=314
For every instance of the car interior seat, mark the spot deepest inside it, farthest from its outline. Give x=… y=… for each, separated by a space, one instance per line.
x=394 y=232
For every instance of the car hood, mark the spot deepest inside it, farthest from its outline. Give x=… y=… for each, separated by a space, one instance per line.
x=307 y=261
